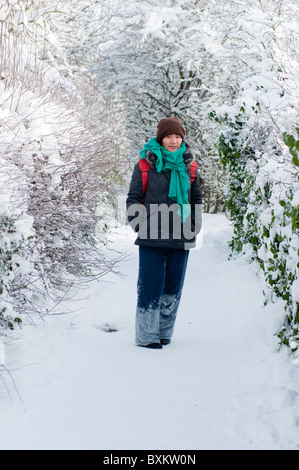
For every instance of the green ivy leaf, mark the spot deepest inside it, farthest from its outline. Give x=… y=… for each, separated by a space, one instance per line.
x=295 y=160
x=289 y=140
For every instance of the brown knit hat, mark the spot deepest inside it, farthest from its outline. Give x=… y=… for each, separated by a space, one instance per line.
x=168 y=126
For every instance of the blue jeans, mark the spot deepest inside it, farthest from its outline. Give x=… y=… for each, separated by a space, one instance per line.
x=160 y=283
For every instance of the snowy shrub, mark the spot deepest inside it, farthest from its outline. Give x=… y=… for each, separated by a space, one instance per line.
x=262 y=202
x=272 y=222
x=14 y=270
x=258 y=148
x=16 y=236
x=150 y=57
x=289 y=242
x=8 y=252
x=238 y=159
x=59 y=153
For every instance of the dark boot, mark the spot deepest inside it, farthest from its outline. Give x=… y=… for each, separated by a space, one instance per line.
x=153 y=346
x=165 y=342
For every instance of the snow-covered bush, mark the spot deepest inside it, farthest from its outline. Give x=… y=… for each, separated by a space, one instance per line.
x=258 y=150
x=59 y=153
x=14 y=267
x=289 y=247
x=16 y=235
x=264 y=207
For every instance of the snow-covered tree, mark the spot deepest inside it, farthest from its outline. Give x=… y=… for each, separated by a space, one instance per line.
x=59 y=159
x=149 y=57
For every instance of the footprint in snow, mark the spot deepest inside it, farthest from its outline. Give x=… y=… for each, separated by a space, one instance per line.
x=107 y=328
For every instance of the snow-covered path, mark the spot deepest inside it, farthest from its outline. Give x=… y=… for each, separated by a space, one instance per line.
x=220 y=385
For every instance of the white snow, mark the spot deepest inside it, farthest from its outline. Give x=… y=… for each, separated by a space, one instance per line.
x=295 y=290
x=221 y=384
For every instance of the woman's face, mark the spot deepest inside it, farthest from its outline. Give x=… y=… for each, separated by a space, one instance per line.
x=172 y=142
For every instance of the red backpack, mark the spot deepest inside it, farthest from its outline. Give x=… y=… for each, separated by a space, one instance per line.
x=144 y=168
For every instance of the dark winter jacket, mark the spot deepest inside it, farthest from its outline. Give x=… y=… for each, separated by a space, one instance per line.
x=155 y=218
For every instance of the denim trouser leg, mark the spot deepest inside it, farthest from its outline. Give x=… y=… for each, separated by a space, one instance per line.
x=160 y=282
x=174 y=281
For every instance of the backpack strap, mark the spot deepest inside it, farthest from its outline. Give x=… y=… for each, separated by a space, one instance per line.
x=144 y=168
x=193 y=169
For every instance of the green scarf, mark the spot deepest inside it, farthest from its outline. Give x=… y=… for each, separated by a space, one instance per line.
x=179 y=180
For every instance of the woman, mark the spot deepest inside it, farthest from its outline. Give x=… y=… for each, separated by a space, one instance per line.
x=164 y=207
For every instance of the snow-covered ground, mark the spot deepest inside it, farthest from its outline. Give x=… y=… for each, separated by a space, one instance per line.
x=220 y=385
